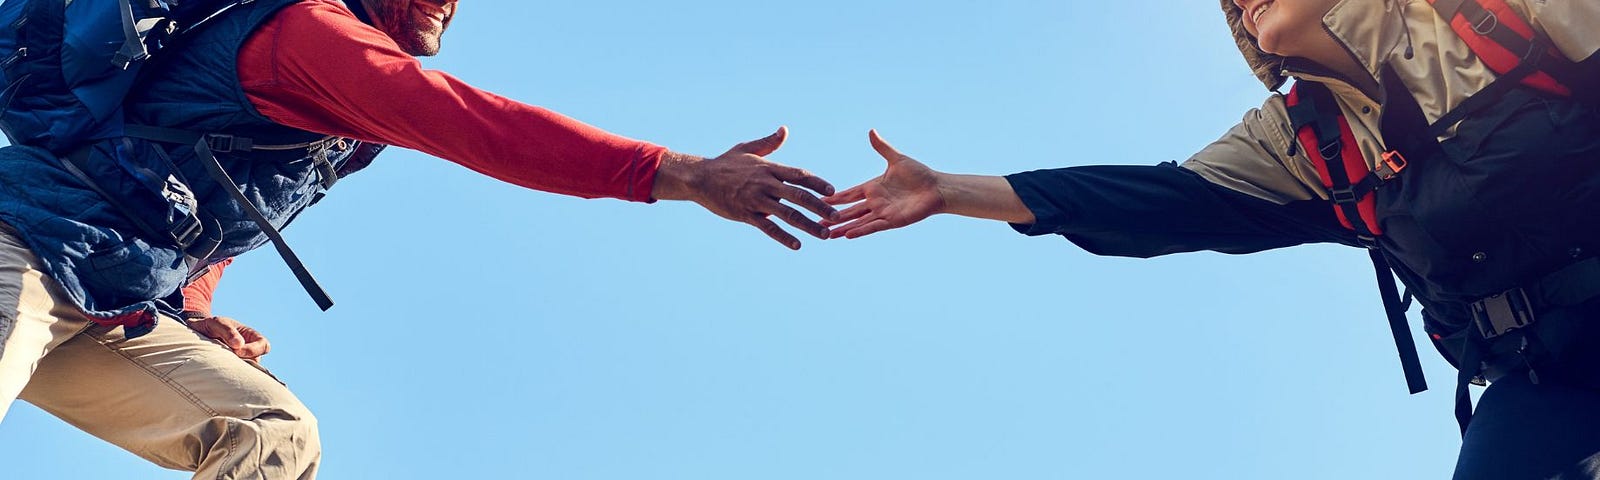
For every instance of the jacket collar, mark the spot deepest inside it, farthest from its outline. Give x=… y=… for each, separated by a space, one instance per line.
x=1369 y=29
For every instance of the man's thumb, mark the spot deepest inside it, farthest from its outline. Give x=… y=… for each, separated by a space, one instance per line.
x=764 y=146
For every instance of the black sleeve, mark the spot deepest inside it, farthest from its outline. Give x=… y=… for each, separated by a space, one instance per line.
x=1145 y=211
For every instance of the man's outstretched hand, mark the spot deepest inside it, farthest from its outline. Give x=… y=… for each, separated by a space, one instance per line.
x=742 y=186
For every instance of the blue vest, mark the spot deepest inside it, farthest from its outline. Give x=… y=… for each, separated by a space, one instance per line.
x=105 y=264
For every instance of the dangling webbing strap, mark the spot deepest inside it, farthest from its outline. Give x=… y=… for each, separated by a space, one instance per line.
x=202 y=150
x=1467 y=368
x=1395 y=308
x=205 y=146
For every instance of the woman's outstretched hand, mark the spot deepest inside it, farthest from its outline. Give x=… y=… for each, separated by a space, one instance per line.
x=906 y=193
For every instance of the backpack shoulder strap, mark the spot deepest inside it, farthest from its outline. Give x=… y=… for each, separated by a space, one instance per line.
x=1326 y=138
x=1508 y=44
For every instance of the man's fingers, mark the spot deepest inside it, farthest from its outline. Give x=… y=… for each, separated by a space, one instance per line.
x=887 y=151
x=848 y=214
x=802 y=178
x=255 y=344
x=806 y=199
x=776 y=232
x=763 y=146
x=220 y=330
x=850 y=195
x=799 y=220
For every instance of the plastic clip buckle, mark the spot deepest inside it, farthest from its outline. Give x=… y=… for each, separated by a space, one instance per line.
x=1395 y=163
x=1501 y=313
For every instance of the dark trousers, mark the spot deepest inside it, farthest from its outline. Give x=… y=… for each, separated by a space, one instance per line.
x=1548 y=430
x=1527 y=431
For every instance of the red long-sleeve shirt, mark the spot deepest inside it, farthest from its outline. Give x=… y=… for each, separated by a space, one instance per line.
x=315 y=67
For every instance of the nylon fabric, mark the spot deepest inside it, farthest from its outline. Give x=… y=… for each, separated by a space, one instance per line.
x=106 y=267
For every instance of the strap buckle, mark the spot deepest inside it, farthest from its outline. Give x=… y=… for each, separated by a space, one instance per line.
x=1502 y=312
x=186 y=229
x=1393 y=164
x=1343 y=195
x=223 y=143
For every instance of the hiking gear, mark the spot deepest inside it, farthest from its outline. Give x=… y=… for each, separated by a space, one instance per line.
x=66 y=41
x=139 y=176
x=1325 y=135
x=1505 y=42
x=1326 y=138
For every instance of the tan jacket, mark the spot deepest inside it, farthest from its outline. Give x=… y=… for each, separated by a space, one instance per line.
x=1253 y=157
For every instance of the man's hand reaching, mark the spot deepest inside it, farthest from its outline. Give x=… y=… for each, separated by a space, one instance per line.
x=742 y=186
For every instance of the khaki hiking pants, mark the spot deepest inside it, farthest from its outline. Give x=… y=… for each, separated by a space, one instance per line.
x=172 y=396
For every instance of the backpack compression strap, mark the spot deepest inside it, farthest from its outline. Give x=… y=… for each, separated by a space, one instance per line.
x=1326 y=137
x=204 y=149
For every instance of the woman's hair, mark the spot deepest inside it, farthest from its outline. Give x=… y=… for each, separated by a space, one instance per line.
x=1265 y=65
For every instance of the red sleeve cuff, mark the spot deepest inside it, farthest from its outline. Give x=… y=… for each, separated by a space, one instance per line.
x=644 y=173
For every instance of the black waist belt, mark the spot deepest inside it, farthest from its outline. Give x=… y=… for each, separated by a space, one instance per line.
x=1502 y=327
x=1517 y=308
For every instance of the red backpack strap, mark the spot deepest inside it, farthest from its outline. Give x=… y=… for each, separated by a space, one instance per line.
x=1326 y=137
x=1507 y=44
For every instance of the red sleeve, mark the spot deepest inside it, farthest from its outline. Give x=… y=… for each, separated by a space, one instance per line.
x=197 y=295
x=315 y=67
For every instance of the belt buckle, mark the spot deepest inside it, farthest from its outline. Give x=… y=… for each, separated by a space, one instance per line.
x=1502 y=312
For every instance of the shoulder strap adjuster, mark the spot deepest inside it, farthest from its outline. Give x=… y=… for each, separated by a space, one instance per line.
x=1393 y=163
x=1344 y=195
x=222 y=143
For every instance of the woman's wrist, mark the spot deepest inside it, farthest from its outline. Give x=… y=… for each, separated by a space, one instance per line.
x=982 y=196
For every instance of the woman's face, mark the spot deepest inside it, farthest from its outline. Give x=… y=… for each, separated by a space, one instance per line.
x=1285 y=27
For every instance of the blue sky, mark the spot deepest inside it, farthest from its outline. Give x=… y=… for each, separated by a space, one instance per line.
x=486 y=331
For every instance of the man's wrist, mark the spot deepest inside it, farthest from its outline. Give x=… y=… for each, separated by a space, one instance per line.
x=676 y=177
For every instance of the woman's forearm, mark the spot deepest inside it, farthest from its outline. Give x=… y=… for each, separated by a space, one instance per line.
x=982 y=196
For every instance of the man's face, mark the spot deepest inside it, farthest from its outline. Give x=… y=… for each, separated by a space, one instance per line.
x=415 y=25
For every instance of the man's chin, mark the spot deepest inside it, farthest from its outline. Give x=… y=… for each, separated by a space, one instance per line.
x=421 y=47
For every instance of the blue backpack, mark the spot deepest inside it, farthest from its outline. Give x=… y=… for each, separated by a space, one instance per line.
x=82 y=58
x=68 y=65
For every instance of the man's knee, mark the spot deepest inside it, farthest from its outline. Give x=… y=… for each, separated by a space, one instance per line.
x=273 y=444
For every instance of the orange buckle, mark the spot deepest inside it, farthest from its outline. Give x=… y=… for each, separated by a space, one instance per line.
x=1395 y=163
